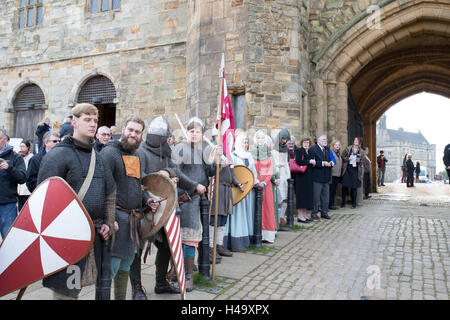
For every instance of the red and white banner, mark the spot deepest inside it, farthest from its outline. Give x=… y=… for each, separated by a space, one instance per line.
x=52 y=231
x=227 y=126
x=172 y=228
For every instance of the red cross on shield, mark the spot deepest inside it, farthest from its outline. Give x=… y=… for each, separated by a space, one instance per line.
x=52 y=231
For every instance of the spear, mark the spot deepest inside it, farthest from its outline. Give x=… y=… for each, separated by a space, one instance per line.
x=217 y=180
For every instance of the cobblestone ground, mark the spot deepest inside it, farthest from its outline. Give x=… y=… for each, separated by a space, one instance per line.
x=401 y=240
x=408 y=244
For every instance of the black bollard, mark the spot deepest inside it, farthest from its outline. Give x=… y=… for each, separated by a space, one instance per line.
x=203 y=252
x=257 y=230
x=290 y=203
x=103 y=287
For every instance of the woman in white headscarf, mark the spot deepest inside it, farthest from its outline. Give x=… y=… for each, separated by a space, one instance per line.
x=265 y=173
x=239 y=228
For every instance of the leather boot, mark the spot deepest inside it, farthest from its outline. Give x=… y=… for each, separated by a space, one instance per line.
x=224 y=252
x=138 y=292
x=165 y=287
x=189 y=273
x=120 y=285
x=218 y=257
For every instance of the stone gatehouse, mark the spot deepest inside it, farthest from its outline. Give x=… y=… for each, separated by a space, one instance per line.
x=313 y=66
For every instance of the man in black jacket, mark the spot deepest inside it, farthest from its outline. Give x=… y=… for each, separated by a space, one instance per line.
x=66 y=128
x=446 y=160
x=409 y=172
x=50 y=139
x=321 y=171
x=12 y=173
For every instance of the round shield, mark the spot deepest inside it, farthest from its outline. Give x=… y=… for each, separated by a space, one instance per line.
x=244 y=176
x=165 y=191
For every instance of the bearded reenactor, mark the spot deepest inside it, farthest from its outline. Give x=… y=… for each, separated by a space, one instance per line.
x=71 y=161
x=121 y=158
x=156 y=154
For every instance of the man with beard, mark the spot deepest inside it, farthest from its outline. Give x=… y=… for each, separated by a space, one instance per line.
x=70 y=159
x=120 y=157
x=155 y=155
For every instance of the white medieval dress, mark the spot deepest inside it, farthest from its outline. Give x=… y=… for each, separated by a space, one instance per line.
x=239 y=230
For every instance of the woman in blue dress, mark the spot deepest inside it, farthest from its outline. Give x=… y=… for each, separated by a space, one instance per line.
x=239 y=227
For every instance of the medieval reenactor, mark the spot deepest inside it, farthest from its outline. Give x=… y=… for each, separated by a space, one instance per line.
x=155 y=155
x=121 y=158
x=193 y=159
x=75 y=160
x=227 y=180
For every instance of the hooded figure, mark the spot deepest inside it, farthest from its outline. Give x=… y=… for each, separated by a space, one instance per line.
x=156 y=155
x=281 y=161
x=239 y=228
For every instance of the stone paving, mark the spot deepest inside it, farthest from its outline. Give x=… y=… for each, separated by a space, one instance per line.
x=383 y=249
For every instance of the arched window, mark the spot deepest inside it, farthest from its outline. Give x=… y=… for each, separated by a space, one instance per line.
x=29 y=105
x=100 y=91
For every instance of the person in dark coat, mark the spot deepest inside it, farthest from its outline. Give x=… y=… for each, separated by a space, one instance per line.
x=66 y=128
x=417 y=171
x=103 y=136
x=352 y=171
x=321 y=177
x=409 y=172
x=42 y=128
x=304 y=181
x=50 y=139
x=12 y=173
x=446 y=160
x=381 y=163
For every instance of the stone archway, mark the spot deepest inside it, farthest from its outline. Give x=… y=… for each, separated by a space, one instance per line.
x=375 y=68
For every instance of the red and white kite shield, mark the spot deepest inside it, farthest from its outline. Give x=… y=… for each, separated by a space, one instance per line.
x=52 y=231
x=172 y=228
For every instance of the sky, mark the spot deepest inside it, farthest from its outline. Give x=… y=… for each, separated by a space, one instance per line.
x=429 y=113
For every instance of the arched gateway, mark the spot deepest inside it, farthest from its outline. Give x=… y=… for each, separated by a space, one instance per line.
x=367 y=68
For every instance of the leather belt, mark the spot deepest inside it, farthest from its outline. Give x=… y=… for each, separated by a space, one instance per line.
x=133 y=215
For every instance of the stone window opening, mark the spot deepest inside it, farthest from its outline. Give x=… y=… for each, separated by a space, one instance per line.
x=99 y=6
x=30 y=13
x=238 y=106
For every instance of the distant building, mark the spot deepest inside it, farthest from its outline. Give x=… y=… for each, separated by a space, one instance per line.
x=396 y=143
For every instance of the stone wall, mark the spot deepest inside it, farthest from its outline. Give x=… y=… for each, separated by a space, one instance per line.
x=140 y=48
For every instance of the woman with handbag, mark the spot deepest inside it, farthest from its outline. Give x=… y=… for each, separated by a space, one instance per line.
x=336 y=171
x=303 y=180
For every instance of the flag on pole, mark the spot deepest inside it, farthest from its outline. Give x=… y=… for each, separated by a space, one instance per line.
x=227 y=126
x=172 y=228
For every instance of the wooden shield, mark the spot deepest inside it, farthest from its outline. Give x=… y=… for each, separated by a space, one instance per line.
x=245 y=176
x=162 y=187
x=52 y=231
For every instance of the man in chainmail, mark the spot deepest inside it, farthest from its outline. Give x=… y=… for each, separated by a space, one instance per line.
x=70 y=160
x=155 y=155
x=193 y=160
x=121 y=158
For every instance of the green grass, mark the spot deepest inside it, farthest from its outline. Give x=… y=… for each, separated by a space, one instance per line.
x=264 y=249
x=201 y=281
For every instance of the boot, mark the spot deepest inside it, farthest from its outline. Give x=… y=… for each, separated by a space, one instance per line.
x=189 y=273
x=165 y=287
x=120 y=285
x=218 y=257
x=224 y=252
x=138 y=292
